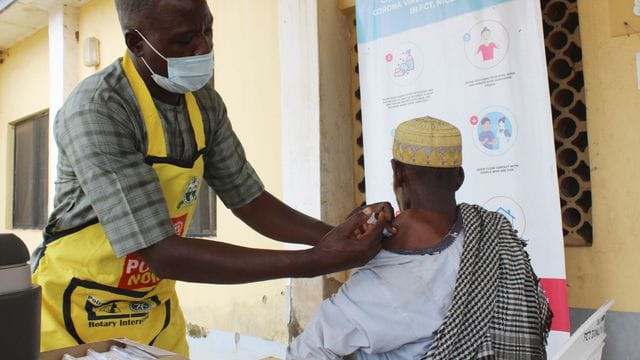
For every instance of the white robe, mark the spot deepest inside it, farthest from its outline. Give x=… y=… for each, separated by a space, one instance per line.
x=388 y=309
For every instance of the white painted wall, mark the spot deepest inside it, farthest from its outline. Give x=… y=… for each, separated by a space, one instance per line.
x=63 y=65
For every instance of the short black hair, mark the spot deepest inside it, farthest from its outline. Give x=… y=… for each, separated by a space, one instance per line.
x=485 y=120
x=129 y=12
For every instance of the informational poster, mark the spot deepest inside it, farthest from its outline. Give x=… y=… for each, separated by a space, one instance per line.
x=480 y=65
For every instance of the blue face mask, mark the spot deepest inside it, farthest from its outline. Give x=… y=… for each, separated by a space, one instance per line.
x=184 y=74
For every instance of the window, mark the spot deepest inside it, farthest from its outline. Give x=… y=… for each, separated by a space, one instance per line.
x=203 y=223
x=566 y=85
x=31 y=165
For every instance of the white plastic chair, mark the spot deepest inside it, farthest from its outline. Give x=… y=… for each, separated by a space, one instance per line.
x=588 y=341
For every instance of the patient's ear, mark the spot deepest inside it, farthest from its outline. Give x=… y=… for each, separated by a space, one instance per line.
x=459 y=179
x=399 y=173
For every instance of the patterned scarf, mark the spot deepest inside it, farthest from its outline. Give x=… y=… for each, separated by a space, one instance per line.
x=499 y=311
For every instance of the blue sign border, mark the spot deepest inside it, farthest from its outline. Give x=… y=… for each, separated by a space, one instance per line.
x=376 y=19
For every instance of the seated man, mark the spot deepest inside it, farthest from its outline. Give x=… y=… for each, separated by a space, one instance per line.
x=454 y=282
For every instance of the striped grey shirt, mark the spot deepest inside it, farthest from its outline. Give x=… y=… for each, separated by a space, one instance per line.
x=101 y=168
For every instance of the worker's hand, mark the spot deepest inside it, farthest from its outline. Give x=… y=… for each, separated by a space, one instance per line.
x=384 y=207
x=353 y=242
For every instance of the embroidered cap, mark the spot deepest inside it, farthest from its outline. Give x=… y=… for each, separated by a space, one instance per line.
x=427 y=141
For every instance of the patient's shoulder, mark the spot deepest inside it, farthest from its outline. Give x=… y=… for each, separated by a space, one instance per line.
x=417 y=229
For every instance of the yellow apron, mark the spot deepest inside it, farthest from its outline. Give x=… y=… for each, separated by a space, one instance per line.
x=90 y=295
